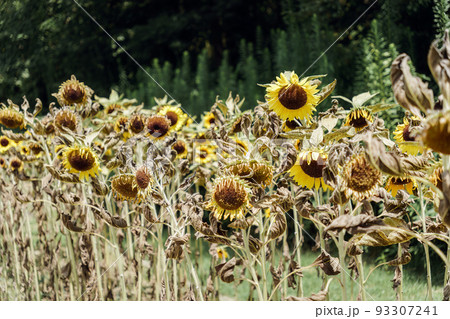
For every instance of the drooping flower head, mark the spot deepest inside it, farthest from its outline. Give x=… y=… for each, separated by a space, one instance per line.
x=308 y=169
x=359 y=118
x=67 y=118
x=175 y=115
x=360 y=178
x=16 y=164
x=124 y=187
x=11 y=118
x=404 y=136
x=394 y=184
x=137 y=123
x=81 y=160
x=158 y=127
x=181 y=148
x=436 y=134
x=252 y=171
x=73 y=92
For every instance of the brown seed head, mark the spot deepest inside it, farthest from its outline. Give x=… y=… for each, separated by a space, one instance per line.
x=293 y=97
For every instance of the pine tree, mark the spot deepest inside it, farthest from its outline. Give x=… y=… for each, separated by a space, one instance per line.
x=441 y=18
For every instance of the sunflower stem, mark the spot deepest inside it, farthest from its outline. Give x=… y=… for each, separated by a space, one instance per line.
x=33 y=258
x=298 y=242
x=400 y=287
x=425 y=245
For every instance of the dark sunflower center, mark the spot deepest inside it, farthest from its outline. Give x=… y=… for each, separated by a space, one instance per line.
x=125 y=187
x=137 y=125
x=359 y=122
x=314 y=168
x=11 y=119
x=2 y=162
x=142 y=178
x=293 y=97
x=4 y=142
x=212 y=120
x=203 y=154
x=74 y=95
x=292 y=124
x=400 y=181
x=363 y=176
x=66 y=120
x=173 y=118
x=179 y=147
x=407 y=134
x=81 y=162
x=35 y=148
x=230 y=197
x=157 y=127
x=112 y=107
x=49 y=129
x=16 y=164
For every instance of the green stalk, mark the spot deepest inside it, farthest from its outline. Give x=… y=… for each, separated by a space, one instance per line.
x=425 y=245
x=250 y=264
x=341 y=249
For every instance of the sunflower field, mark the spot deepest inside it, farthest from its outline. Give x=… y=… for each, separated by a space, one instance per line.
x=301 y=195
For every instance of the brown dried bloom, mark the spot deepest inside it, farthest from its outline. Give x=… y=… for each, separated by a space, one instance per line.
x=11 y=118
x=360 y=178
x=16 y=164
x=252 y=171
x=158 y=126
x=437 y=133
x=73 y=92
x=124 y=187
x=137 y=123
x=67 y=118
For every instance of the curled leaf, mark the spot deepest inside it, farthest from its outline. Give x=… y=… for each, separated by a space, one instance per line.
x=225 y=270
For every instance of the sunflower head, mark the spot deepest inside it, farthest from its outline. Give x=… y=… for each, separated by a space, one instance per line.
x=11 y=118
x=35 y=148
x=181 y=148
x=394 y=184
x=67 y=118
x=436 y=134
x=359 y=118
x=158 y=126
x=308 y=169
x=73 y=92
x=205 y=154
x=209 y=119
x=406 y=138
x=6 y=144
x=290 y=125
x=137 y=123
x=241 y=146
x=3 y=162
x=175 y=115
x=124 y=187
x=291 y=98
x=16 y=164
x=111 y=108
x=360 y=178
x=221 y=253
x=436 y=177
x=81 y=160
x=229 y=198
x=143 y=177
x=253 y=171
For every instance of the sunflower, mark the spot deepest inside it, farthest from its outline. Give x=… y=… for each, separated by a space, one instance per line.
x=359 y=118
x=406 y=141
x=291 y=125
x=241 y=146
x=298 y=145
x=436 y=177
x=143 y=180
x=121 y=126
x=308 y=169
x=3 y=162
x=253 y=171
x=111 y=108
x=137 y=123
x=124 y=187
x=67 y=118
x=209 y=119
x=24 y=149
x=205 y=154
x=360 y=178
x=221 y=253
x=180 y=147
x=229 y=198
x=175 y=115
x=16 y=164
x=6 y=144
x=73 y=92
x=158 y=127
x=82 y=160
x=437 y=133
x=291 y=98
x=394 y=184
x=11 y=118
x=36 y=149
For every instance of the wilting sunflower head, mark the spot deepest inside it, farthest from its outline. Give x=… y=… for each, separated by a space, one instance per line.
x=121 y=125
x=229 y=198
x=175 y=115
x=221 y=253
x=252 y=171
x=136 y=123
x=436 y=134
x=181 y=148
x=11 y=118
x=143 y=177
x=3 y=162
x=290 y=125
x=111 y=108
x=124 y=187
x=67 y=118
x=158 y=126
x=6 y=144
x=35 y=148
x=209 y=119
x=205 y=154
x=436 y=177
x=394 y=184
x=81 y=160
x=308 y=169
x=241 y=146
x=291 y=98
x=359 y=118
x=360 y=178
x=73 y=92
x=406 y=138
x=16 y=164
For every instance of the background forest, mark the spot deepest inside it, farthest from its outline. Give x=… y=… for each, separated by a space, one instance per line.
x=198 y=49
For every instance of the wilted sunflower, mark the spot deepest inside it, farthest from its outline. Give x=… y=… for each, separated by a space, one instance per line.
x=121 y=126
x=36 y=149
x=82 y=160
x=16 y=164
x=292 y=98
x=252 y=171
x=229 y=198
x=180 y=147
x=111 y=108
x=73 y=92
x=6 y=144
x=360 y=178
x=291 y=125
x=175 y=115
x=394 y=184
x=205 y=154
x=406 y=141
x=436 y=134
x=436 y=177
x=137 y=123
x=124 y=187
x=209 y=119
x=158 y=126
x=359 y=118
x=11 y=118
x=143 y=181
x=3 y=162
x=67 y=118
x=308 y=169
x=242 y=147
x=221 y=253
